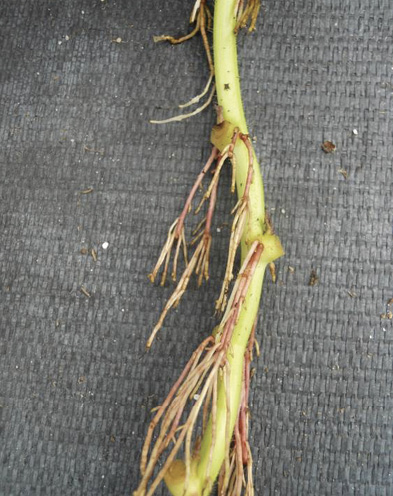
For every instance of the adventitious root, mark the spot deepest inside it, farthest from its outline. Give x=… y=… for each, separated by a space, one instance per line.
x=199 y=262
x=193 y=401
x=246 y=14
x=181 y=117
x=236 y=477
x=202 y=18
x=176 y=231
x=239 y=222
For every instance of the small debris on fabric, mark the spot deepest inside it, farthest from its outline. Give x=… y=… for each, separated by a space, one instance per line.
x=81 y=379
x=291 y=269
x=355 y=132
x=388 y=315
x=86 y=191
x=105 y=245
x=390 y=302
x=344 y=173
x=314 y=279
x=93 y=254
x=328 y=146
x=84 y=251
x=351 y=293
x=84 y=291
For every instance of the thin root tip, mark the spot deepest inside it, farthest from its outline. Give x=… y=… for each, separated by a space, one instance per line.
x=151 y=278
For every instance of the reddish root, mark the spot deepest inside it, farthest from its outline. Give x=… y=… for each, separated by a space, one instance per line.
x=199 y=262
x=176 y=231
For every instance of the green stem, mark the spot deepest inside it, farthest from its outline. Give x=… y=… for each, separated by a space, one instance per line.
x=229 y=98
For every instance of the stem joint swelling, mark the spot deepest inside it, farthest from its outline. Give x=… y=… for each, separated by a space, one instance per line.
x=204 y=418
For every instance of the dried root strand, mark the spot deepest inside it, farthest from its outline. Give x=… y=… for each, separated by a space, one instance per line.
x=199 y=263
x=182 y=117
x=182 y=39
x=176 y=232
x=200 y=15
x=194 y=395
x=246 y=14
x=198 y=98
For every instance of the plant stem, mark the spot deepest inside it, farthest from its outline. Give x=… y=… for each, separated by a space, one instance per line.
x=229 y=389
x=229 y=98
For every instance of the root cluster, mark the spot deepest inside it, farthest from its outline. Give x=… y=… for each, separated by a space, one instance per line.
x=176 y=242
x=193 y=398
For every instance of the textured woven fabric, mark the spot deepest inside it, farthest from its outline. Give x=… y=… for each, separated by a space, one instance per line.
x=79 y=81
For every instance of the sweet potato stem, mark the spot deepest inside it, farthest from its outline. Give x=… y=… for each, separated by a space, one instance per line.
x=229 y=98
x=219 y=369
x=211 y=459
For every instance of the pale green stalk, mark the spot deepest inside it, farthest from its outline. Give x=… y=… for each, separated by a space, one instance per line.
x=229 y=98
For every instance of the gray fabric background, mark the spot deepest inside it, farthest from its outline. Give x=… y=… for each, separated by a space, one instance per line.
x=76 y=386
